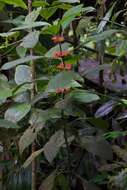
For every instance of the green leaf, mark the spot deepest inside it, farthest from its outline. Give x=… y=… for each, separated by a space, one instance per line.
x=30 y=25
x=7 y=34
x=52 y=147
x=5 y=90
x=31 y=17
x=40 y=3
x=8 y=124
x=70 y=15
x=69 y=1
x=32 y=157
x=105 y=19
x=98 y=146
x=12 y=64
x=18 y=3
x=48 y=183
x=64 y=46
x=46 y=13
x=5 y=94
x=23 y=74
x=65 y=79
x=102 y=36
x=27 y=138
x=83 y=96
x=21 y=51
x=30 y=40
x=17 y=112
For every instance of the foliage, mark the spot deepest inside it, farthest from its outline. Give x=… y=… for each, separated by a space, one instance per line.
x=63 y=93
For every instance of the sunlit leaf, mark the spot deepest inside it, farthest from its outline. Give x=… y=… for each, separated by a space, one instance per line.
x=16 y=112
x=23 y=74
x=8 y=124
x=30 y=40
x=12 y=64
x=18 y=3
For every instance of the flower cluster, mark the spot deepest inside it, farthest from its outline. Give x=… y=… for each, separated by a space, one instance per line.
x=58 y=39
x=61 y=54
x=64 y=66
x=62 y=90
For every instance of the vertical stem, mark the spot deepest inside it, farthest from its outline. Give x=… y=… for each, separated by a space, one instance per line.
x=65 y=132
x=100 y=45
x=33 y=92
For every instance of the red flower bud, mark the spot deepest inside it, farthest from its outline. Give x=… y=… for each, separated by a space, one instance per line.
x=57 y=39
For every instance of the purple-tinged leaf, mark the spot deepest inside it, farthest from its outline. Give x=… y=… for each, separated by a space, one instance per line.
x=106 y=108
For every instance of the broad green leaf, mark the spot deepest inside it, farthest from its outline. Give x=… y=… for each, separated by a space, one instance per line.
x=40 y=3
x=27 y=138
x=31 y=17
x=5 y=90
x=18 y=3
x=32 y=157
x=5 y=93
x=23 y=97
x=48 y=183
x=65 y=79
x=7 y=34
x=12 y=64
x=39 y=117
x=62 y=182
x=30 y=40
x=70 y=15
x=64 y=46
x=51 y=30
x=52 y=147
x=46 y=13
x=88 y=9
x=83 y=96
x=21 y=51
x=105 y=19
x=30 y=25
x=102 y=36
x=69 y=1
x=17 y=112
x=23 y=74
x=8 y=124
x=98 y=146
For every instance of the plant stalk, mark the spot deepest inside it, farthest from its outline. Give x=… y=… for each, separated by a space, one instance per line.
x=33 y=93
x=65 y=133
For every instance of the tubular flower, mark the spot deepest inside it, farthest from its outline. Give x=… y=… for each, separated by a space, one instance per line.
x=62 y=90
x=60 y=54
x=60 y=66
x=64 y=66
x=68 y=66
x=57 y=39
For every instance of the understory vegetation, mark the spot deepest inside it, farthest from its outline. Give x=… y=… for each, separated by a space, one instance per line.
x=63 y=95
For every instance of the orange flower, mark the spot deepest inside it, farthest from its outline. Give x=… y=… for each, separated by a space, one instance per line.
x=62 y=90
x=57 y=39
x=59 y=54
x=68 y=66
x=60 y=66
